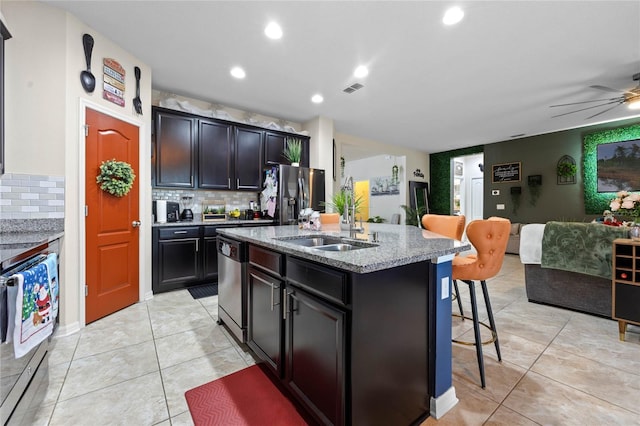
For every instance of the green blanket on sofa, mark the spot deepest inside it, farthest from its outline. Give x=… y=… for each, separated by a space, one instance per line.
x=580 y=247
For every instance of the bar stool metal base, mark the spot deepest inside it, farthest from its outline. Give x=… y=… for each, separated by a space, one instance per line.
x=476 y=324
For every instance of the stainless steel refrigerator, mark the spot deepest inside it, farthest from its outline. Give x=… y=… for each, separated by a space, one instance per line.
x=298 y=189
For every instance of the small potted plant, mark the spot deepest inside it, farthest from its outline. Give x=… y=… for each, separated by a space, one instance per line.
x=567 y=170
x=339 y=201
x=293 y=151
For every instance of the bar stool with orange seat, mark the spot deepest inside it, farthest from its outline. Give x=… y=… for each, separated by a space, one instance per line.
x=326 y=218
x=489 y=237
x=449 y=226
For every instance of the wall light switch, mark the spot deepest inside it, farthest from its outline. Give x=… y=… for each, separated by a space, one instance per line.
x=495 y=192
x=444 y=283
x=500 y=206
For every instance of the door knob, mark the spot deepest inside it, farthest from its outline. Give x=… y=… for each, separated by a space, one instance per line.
x=136 y=223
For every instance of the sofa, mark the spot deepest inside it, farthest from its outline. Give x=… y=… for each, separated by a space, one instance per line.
x=569 y=265
x=513 y=245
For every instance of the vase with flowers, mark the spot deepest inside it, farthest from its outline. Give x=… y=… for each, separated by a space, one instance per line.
x=628 y=204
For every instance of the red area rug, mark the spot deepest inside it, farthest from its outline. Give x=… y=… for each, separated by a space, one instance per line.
x=246 y=397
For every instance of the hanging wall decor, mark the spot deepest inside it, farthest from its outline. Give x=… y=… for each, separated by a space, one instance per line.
x=87 y=79
x=566 y=170
x=113 y=86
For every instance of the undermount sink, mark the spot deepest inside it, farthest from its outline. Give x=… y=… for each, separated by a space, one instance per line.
x=338 y=247
x=326 y=243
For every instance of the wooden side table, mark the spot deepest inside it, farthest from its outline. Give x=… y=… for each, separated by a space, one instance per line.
x=626 y=284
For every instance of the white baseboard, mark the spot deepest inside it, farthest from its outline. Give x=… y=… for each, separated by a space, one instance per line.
x=148 y=295
x=441 y=405
x=66 y=330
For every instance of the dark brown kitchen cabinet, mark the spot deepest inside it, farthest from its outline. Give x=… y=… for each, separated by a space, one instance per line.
x=215 y=154
x=176 y=258
x=265 y=318
x=210 y=254
x=274 y=144
x=315 y=354
x=175 y=150
x=248 y=158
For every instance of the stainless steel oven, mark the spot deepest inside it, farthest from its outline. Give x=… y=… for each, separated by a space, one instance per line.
x=22 y=379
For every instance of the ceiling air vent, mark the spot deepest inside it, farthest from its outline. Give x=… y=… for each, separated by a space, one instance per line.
x=353 y=88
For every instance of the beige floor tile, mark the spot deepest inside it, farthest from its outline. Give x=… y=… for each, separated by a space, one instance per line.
x=62 y=348
x=471 y=409
x=109 y=368
x=133 y=314
x=139 y=401
x=49 y=390
x=506 y=417
x=120 y=334
x=180 y=378
x=183 y=419
x=172 y=298
x=608 y=383
x=500 y=377
x=172 y=319
x=548 y=402
x=190 y=344
x=597 y=338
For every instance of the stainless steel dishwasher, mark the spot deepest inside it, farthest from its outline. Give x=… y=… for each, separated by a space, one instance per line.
x=232 y=286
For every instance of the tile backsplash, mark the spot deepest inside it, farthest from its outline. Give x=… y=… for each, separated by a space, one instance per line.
x=25 y=196
x=229 y=199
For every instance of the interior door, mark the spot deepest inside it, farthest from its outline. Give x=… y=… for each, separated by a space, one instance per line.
x=111 y=223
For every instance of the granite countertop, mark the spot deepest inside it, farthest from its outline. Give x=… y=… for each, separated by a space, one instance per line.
x=398 y=245
x=198 y=222
x=15 y=243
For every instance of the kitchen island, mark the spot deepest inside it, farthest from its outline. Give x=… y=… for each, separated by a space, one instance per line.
x=361 y=336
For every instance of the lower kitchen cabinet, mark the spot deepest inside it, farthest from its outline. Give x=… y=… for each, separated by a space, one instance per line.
x=265 y=318
x=176 y=258
x=315 y=354
x=183 y=256
x=332 y=337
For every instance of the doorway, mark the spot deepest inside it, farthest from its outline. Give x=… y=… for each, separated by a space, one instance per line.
x=111 y=222
x=467 y=186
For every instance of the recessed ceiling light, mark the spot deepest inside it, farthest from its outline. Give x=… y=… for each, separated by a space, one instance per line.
x=317 y=99
x=238 y=72
x=361 y=72
x=273 y=31
x=452 y=16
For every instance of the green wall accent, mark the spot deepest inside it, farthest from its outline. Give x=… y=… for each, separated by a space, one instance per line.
x=440 y=177
x=596 y=202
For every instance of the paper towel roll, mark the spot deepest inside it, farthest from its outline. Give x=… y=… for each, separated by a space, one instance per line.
x=161 y=211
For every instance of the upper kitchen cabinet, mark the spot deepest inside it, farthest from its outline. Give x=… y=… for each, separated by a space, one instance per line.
x=274 y=144
x=175 y=150
x=215 y=154
x=248 y=158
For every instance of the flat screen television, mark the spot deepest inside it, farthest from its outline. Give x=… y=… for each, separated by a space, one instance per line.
x=619 y=166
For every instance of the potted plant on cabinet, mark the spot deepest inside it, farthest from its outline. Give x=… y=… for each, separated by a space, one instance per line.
x=293 y=151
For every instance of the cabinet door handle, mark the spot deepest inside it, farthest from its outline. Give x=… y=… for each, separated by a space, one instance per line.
x=198 y=245
x=229 y=183
x=179 y=232
x=237 y=183
x=285 y=306
x=272 y=285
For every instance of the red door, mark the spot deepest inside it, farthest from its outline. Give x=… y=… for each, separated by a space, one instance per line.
x=111 y=222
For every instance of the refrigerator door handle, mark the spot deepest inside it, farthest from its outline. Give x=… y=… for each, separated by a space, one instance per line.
x=301 y=193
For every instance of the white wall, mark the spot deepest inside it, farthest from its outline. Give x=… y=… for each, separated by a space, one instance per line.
x=380 y=166
x=414 y=160
x=43 y=126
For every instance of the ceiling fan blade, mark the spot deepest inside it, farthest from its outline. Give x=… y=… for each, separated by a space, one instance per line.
x=584 y=109
x=602 y=112
x=605 y=88
x=586 y=102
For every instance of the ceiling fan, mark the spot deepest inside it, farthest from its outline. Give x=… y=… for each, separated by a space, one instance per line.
x=630 y=97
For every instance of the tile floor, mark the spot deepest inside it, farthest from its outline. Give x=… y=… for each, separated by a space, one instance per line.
x=559 y=367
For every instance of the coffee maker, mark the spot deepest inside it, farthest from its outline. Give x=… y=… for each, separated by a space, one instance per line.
x=187 y=204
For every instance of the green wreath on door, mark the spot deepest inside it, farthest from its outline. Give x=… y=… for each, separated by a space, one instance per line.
x=116 y=177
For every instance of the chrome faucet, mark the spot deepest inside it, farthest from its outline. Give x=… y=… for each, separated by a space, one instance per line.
x=349 y=213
